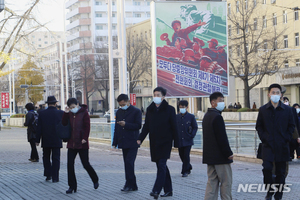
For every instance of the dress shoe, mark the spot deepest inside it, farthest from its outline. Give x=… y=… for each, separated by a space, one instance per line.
x=268 y=197
x=154 y=194
x=70 y=190
x=167 y=194
x=189 y=172
x=185 y=175
x=48 y=178
x=128 y=189
x=30 y=159
x=96 y=185
x=54 y=181
x=35 y=160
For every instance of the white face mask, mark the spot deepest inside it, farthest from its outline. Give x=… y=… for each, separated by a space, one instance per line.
x=157 y=100
x=182 y=110
x=220 y=107
x=298 y=110
x=286 y=103
x=275 y=98
x=75 y=110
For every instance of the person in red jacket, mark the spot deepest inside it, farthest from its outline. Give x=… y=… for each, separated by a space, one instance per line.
x=183 y=33
x=78 y=143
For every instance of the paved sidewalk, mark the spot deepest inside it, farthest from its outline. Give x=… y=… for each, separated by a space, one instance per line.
x=21 y=179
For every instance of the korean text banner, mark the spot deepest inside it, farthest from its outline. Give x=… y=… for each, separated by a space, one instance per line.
x=4 y=100
x=191 y=48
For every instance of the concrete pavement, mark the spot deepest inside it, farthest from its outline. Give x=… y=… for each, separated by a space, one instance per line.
x=21 y=179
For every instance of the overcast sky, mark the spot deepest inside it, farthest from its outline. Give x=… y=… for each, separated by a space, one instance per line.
x=47 y=11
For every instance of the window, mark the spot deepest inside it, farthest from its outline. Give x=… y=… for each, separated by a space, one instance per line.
x=254 y=3
x=247 y=48
x=275 y=65
x=98 y=38
x=33 y=42
x=98 y=3
x=136 y=3
x=264 y=1
x=113 y=3
x=274 y=19
x=296 y=15
x=148 y=3
x=296 y=39
x=247 y=27
x=114 y=27
x=237 y=28
x=255 y=24
x=275 y=44
x=297 y=62
x=237 y=6
x=99 y=27
x=230 y=51
x=229 y=9
x=137 y=15
x=45 y=36
x=265 y=44
x=46 y=42
x=33 y=36
x=286 y=64
x=264 y=22
x=284 y=17
x=238 y=49
x=40 y=45
x=146 y=35
x=229 y=30
x=40 y=39
x=246 y=4
x=255 y=47
x=98 y=14
x=148 y=14
x=285 y=41
x=273 y=1
x=113 y=15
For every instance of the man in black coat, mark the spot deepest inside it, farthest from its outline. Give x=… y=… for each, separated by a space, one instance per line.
x=160 y=123
x=187 y=129
x=275 y=126
x=51 y=143
x=217 y=153
x=128 y=124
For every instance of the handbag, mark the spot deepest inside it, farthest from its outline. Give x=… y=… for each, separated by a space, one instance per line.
x=63 y=132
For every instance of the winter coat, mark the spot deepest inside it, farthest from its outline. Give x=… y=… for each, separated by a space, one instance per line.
x=31 y=132
x=160 y=123
x=125 y=137
x=216 y=149
x=48 y=119
x=80 y=128
x=187 y=129
x=275 y=128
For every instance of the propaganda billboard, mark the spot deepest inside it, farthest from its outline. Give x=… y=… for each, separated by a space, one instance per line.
x=190 y=47
x=4 y=100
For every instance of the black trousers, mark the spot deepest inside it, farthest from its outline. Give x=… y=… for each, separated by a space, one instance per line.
x=84 y=157
x=163 y=177
x=294 y=145
x=280 y=170
x=51 y=169
x=34 y=154
x=184 y=153
x=129 y=156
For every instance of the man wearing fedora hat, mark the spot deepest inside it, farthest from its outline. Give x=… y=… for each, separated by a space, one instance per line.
x=51 y=143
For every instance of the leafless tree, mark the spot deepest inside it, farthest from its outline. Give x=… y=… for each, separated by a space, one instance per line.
x=254 y=46
x=138 y=58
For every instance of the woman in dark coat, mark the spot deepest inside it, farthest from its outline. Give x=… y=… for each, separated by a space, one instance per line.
x=160 y=123
x=78 y=143
x=31 y=132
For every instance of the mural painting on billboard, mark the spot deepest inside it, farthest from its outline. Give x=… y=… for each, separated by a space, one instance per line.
x=191 y=48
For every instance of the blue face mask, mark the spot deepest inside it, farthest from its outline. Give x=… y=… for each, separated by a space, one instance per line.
x=157 y=100
x=182 y=110
x=275 y=98
x=75 y=110
x=220 y=107
x=124 y=107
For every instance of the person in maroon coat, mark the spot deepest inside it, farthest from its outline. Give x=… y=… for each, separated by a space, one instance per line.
x=78 y=143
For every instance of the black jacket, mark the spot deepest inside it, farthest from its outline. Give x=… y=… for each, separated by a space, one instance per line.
x=125 y=137
x=275 y=128
x=160 y=123
x=216 y=149
x=31 y=132
x=187 y=129
x=296 y=120
x=48 y=119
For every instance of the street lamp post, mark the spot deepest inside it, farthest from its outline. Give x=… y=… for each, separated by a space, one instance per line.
x=2 y=5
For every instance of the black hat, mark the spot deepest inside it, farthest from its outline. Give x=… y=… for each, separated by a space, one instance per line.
x=51 y=99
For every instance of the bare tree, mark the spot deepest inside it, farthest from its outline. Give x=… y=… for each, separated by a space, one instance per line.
x=138 y=58
x=254 y=47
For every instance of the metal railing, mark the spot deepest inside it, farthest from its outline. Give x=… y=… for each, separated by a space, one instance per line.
x=241 y=140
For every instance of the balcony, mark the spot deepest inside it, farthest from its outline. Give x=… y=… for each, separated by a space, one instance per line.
x=79 y=34
x=80 y=10
x=78 y=22
x=128 y=8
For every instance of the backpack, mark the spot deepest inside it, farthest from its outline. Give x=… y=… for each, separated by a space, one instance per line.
x=35 y=121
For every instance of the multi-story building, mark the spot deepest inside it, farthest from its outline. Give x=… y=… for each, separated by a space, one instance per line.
x=275 y=27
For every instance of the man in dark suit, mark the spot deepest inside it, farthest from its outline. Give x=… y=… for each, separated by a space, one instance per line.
x=275 y=126
x=128 y=124
x=51 y=143
x=160 y=123
x=187 y=129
